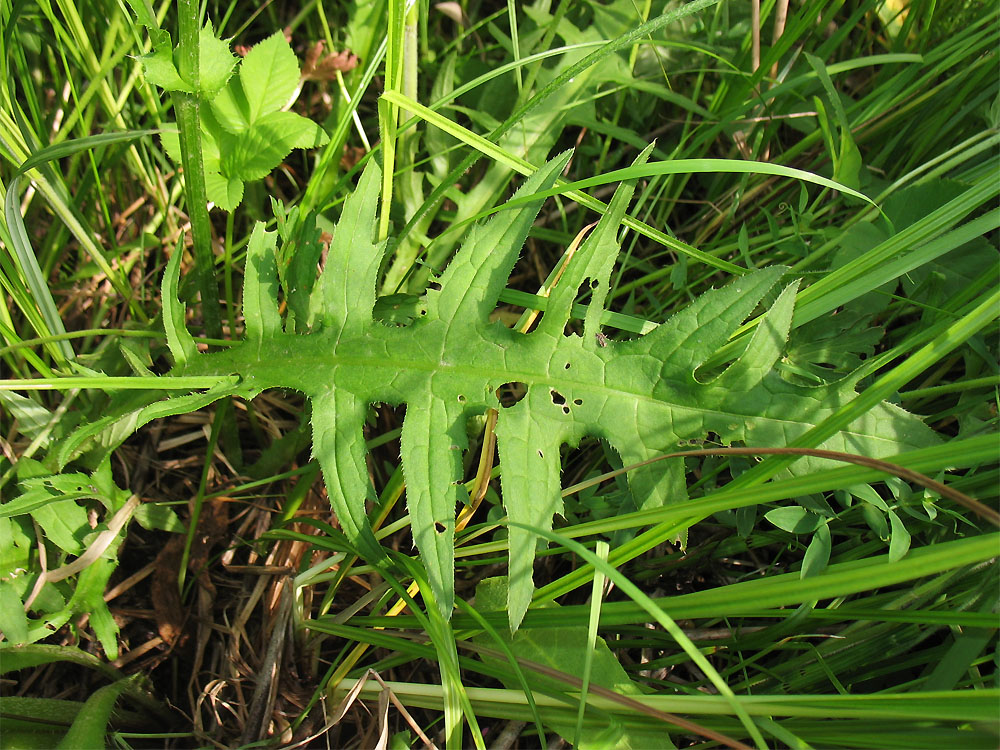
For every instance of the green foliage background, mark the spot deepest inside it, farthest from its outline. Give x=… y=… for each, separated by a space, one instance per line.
x=799 y=252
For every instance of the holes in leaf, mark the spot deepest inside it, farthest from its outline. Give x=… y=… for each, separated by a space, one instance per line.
x=578 y=401
x=398 y=310
x=566 y=366
x=559 y=400
x=461 y=398
x=439 y=527
x=509 y=394
x=584 y=295
x=434 y=286
x=541 y=455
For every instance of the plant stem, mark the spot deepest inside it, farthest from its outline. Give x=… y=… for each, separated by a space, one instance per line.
x=230 y=296
x=189 y=122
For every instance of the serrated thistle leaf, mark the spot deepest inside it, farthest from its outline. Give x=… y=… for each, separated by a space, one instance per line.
x=260 y=296
x=641 y=396
x=179 y=339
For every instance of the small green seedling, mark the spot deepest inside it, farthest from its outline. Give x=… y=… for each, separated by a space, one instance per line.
x=247 y=129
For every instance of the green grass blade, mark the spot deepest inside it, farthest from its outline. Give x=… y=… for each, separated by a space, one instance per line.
x=851 y=279
x=500 y=155
x=883 y=388
x=26 y=257
x=665 y=620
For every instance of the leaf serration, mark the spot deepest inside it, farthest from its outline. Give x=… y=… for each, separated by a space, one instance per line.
x=641 y=396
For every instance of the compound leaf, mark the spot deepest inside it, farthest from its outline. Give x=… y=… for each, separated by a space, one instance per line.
x=245 y=133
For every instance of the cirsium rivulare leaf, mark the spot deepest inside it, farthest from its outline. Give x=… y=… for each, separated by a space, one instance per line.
x=642 y=396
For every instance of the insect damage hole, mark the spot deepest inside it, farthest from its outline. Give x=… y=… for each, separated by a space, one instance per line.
x=509 y=394
x=439 y=527
x=583 y=298
x=559 y=400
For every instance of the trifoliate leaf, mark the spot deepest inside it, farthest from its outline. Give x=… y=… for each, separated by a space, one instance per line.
x=245 y=135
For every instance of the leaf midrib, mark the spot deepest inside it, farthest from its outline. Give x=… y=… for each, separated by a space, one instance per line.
x=294 y=369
